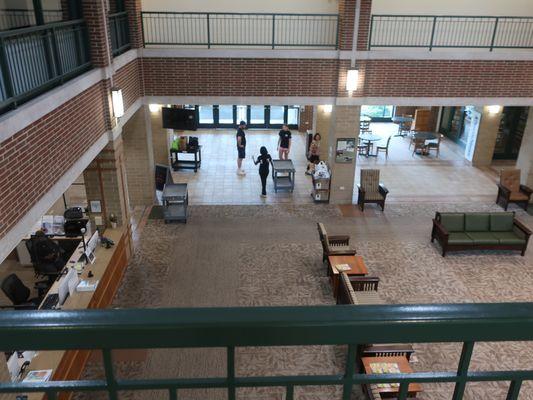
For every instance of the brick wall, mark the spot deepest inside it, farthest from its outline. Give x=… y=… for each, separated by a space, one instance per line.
x=133 y=7
x=440 y=78
x=306 y=119
x=239 y=77
x=140 y=175
x=346 y=23
x=94 y=15
x=34 y=159
x=129 y=79
x=364 y=24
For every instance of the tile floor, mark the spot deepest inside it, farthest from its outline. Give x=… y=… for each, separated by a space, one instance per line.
x=409 y=177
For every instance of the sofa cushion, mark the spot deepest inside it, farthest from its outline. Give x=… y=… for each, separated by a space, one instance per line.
x=483 y=238
x=501 y=222
x=509 y=238
x=368 y=297
x=460 y=238
x=453 y=222
x=477 y=222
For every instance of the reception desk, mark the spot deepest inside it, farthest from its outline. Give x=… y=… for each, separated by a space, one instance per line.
x=108 y=268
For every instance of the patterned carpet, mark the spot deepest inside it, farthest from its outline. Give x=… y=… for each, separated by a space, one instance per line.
x=270 y=256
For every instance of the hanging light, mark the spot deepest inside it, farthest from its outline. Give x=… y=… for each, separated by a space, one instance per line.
x=118 y=102
x=154 y=108
x=352 y=79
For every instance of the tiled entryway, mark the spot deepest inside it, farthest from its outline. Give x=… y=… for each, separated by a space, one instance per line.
x=448 y=178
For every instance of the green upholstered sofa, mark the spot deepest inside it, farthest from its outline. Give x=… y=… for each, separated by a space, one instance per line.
x=477 y=231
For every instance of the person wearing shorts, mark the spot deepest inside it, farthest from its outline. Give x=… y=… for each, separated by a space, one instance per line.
x=241 y=147
x=284 y=143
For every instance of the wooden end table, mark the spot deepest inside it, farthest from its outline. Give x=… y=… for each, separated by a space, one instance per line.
x=357 y=268
x=403 y=366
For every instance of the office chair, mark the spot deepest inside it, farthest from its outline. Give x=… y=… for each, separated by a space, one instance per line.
x=42 y=270
x=19 y=294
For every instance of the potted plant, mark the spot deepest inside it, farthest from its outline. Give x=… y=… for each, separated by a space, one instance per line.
x=113 y=220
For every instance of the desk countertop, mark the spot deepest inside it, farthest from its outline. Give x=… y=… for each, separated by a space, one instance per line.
x=79 y=300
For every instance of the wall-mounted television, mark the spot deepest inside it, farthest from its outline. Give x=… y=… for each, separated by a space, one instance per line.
x=182 y=119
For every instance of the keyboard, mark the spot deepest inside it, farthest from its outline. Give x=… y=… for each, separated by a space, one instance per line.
x=50 y=301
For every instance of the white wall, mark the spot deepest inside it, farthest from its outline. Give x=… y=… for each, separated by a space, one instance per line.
x=272 y=6
x=520 y=8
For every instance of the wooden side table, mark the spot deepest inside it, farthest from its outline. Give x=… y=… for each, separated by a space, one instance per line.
x=357 y=268
x=391 y=391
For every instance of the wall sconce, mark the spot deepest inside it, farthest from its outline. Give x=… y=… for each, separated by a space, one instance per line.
x=352 y=79
x=154 y=108
x=494 y=109
x=118 y=102
x=328 y=108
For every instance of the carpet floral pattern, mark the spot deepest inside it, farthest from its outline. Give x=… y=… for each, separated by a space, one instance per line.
x=286 y=269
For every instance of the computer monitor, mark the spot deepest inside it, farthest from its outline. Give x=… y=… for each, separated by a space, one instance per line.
x=63 y=289
x=91 y=244
x=73 y=280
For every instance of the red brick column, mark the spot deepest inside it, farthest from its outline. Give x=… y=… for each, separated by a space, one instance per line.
x=97 y=25
x=133 y=7
x=364 y=24
x=346 y=23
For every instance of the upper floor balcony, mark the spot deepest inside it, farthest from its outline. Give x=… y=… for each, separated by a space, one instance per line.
x=41 y=48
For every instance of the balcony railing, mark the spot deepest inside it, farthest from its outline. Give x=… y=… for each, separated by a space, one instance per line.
x=240 y=29
x=35 y=59
x=230 y=328
x=17 y=17
x=120 y=33
x=431 y=32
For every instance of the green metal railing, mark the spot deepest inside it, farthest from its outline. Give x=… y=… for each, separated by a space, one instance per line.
x=32 y=60
x=441 y=31
x=120 y=32
x=11 y=18
x=231 y=328
x=240 y=29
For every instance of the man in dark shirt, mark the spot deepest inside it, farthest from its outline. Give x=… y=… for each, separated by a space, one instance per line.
x=47 y=252
x=284 y=143
x=241 y=147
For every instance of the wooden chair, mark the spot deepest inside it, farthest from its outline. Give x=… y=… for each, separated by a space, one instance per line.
x=364 y=125
x=420 y=145
x=384 y=148
x=434 y=145
x=334 y=245
x=362 y=148
x=370 y=190
x=358 y=290
x=511 y=191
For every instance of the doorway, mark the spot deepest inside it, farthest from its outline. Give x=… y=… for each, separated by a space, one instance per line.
x=510 y=133
x=255 y=116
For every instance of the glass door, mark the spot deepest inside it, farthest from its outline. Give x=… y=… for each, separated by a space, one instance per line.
x=206 y=117
x=256 y=117
x=277 y=116
x=242 y=114
x=227 y=116
x=293 y=117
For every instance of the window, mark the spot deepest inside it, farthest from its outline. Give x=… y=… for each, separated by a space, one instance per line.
x=257 y=115
x=293 y=114
x=241 y=113
x=277 y=115
x=225 y=114
x=206 y=114
x=377 y=112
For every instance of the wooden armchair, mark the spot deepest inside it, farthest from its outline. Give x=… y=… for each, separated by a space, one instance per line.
x=334 y=245
x=370 y=190
x=358 y=290
x=511 y=191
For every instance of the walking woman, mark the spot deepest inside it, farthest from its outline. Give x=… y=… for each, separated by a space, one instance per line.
x=264 y=161
x=314 y=153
